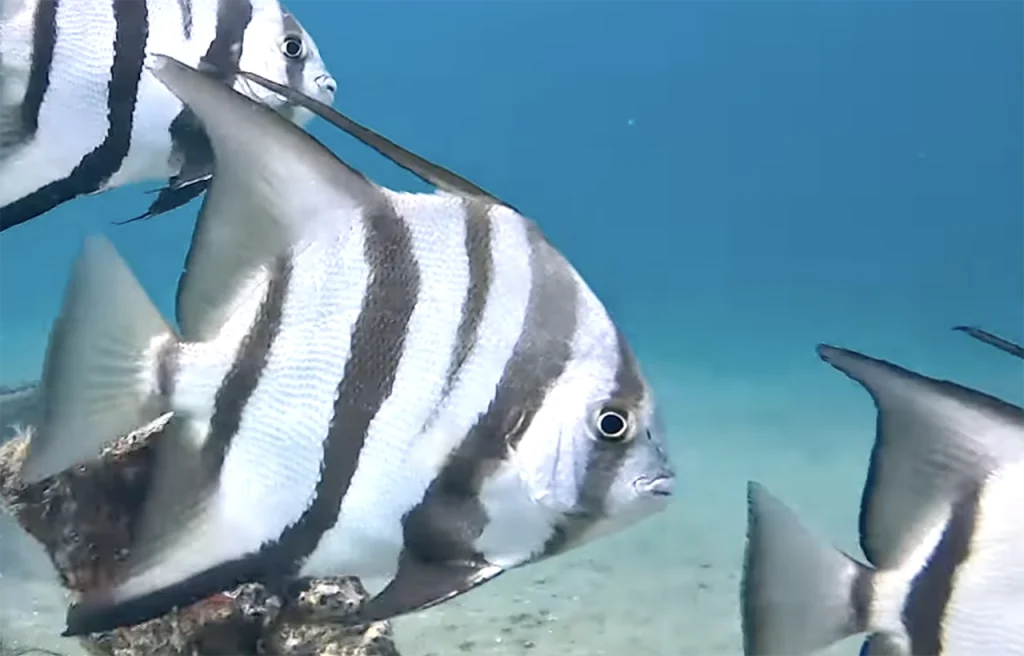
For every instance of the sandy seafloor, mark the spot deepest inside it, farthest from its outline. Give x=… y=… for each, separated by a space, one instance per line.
x=665 y=587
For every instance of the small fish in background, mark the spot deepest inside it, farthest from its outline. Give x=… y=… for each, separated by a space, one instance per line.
x=403 y=386
x=80 y=114
x=940 y=524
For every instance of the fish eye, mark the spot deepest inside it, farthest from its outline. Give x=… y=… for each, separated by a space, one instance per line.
x=292 y=47
x=613 y=424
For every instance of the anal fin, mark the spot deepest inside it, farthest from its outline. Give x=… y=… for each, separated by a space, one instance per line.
x=418 y=585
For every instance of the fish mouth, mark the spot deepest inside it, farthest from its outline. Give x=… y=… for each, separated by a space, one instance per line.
x=657 y=486
x=327 y=85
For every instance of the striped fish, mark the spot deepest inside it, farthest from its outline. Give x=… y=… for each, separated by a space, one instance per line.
x=940 y=524
x=80 y=114
x=411 y=388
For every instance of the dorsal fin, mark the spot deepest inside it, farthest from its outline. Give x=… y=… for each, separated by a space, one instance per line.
x=993 y=340
x=934 y=439
x=274 y=187
x=428 y=171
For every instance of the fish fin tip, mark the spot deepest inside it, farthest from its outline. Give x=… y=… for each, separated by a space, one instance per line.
x=966 y=433
x=100 y=376
x=428 y=171
x=882 y=644
x=418 y=585
x=140 y=217
x=794 y=592
x=273 y=187
x=993 y=340
x=170 y=198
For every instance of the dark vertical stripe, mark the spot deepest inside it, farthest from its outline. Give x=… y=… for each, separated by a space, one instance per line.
x=225 y=51
x=443 y=527
x=189 y=141
x=132 y=30
x=862 y=593
x=44 y=41
x=378 y=342
x=932 y=588
x=481 y=275
x=221 y=62
x=605 y=460
x=251 y=359
x=294 y=67
x=185 y=6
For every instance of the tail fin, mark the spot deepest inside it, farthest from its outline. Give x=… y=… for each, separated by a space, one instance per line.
x=102 y=373
x=798 y=595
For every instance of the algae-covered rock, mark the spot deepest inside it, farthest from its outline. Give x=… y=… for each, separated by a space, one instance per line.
x=84 y=518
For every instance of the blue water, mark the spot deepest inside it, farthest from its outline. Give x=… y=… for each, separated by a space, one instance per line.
x=738 y=181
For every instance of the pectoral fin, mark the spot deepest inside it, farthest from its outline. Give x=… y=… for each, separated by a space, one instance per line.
x=419 y=585
x=171 y=197
x=196 y=170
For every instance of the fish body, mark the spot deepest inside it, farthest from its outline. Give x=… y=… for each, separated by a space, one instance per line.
x=80 y=114
x=940 y=527
x=412 y=387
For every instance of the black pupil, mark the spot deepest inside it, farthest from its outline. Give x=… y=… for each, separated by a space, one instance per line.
x=612 y=424
x=292 y=47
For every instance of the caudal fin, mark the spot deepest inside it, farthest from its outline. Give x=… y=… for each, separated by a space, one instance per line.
x=797 y=595
x=101 y=376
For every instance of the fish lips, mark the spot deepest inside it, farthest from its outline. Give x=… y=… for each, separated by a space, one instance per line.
x=655 y=486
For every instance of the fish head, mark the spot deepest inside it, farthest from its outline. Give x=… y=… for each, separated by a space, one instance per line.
x=281 y=50
x=595 y=456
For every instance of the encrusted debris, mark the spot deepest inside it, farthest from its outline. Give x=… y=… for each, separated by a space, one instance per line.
x=85 y=516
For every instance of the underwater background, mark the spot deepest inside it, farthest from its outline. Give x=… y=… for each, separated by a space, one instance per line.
x=737 y=181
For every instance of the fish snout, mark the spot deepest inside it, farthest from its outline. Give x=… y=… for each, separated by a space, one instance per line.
x=327 y=84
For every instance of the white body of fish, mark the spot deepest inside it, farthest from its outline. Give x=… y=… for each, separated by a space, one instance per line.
x=407 y=386
x=941 y=526
x=80 y=113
